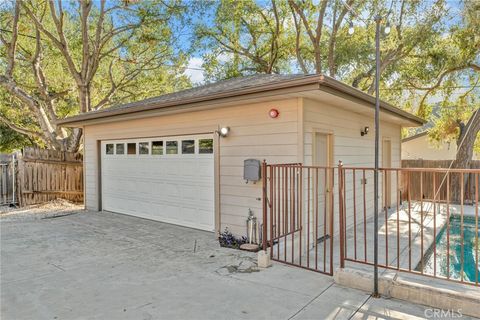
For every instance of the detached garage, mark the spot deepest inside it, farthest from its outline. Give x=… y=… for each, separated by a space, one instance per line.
x=178 y=158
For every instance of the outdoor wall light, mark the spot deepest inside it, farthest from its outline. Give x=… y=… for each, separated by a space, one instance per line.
x=364 y=131
x=223 y=132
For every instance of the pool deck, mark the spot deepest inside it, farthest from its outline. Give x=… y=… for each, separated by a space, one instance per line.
x=407 y=234
x=420 y=228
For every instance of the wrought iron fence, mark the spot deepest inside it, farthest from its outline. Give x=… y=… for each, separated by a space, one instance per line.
x=434 y=236
x=321 y=217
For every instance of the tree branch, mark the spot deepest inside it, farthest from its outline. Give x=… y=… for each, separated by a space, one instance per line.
x=314 y=37
x=40 y=77
x=30 y=133
x=61 y=43
x=474 y=66
x=45 y=124
x=11 y=47
x=98 y=37
x=113 y=88
x=298 y=54
x=275 y=35
x=303 y=18
x=337 y=21
x=440 y=77
x=85 y=7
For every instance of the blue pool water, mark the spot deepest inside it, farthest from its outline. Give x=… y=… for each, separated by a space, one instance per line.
x=469 y=251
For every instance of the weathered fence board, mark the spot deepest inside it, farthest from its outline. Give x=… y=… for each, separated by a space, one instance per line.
x=6 y=179
x=44 y=175
x=50 y=174
x=412 y=181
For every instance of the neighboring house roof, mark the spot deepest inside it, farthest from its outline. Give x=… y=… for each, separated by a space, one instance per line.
x=414 y=133
x=233 y=88
x=418 y=135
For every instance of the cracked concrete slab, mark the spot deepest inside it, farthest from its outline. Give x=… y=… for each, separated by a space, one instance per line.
x=101 y=265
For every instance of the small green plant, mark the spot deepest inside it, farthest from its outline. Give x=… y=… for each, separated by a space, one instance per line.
x=227 y=239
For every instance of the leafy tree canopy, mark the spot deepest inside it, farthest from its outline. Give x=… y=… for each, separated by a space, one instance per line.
x=62 y=58
x=431 y=54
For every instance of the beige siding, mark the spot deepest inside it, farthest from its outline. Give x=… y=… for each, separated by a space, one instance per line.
x=350 y=148
x=422 y=148
x=253 y=135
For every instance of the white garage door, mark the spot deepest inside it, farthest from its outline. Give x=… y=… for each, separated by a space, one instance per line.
x=167 y=179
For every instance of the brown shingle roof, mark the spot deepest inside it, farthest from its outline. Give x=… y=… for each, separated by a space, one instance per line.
x=234 y=87
x=209 y=89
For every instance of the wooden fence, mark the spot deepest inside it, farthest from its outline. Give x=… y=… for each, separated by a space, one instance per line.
x=6 y=179
x=419 y=185
x=44 y=175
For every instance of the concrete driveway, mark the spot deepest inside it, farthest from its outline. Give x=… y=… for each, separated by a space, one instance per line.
x=90 y=265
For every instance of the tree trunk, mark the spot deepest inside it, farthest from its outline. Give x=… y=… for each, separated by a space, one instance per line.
x=318 y=59
x=84 y=97
x=72 y=143
x=465 y=143
x=466 y=140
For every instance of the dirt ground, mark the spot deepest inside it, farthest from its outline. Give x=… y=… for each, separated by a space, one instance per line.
x=50 y=209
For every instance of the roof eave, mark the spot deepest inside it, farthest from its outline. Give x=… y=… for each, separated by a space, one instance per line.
x=415 y=136
x=75 y=120
x=340 y=86
x=321 y=80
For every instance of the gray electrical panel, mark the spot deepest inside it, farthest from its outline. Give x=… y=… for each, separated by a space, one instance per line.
x=252 y=170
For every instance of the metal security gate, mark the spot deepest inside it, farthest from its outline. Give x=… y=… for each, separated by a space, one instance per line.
x=299 y=215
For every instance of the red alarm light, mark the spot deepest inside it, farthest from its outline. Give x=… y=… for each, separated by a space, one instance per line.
x=273 y=113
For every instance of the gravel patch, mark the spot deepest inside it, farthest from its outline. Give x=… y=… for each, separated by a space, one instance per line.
x=52 y=209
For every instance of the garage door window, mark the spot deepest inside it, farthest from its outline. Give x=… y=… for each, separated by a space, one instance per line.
x=143 y=148
x=205 y=146
x=188 y=146
x=172 y=147
x=109 y=148
x=131 y=148
x=157 y=147
x=120 y=148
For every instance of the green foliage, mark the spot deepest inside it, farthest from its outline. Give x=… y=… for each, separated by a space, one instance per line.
x=11 y=140
x=432 y=50
x=431 y=55
x=447 y=73
x=246 y=38
x=135 y=56
x=447 y=125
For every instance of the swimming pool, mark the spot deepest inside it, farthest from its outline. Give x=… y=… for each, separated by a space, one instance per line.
x=469 y=251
